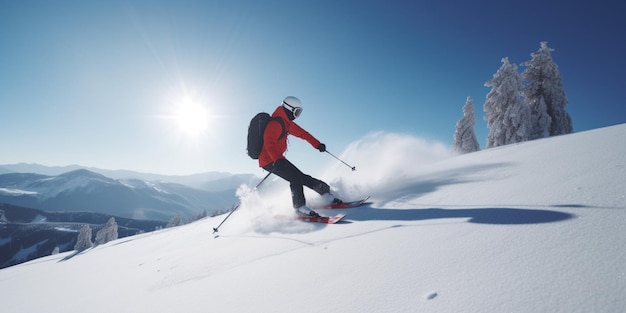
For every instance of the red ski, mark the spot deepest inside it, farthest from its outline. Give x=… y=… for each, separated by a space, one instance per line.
x=321 y=219
x=344 y=205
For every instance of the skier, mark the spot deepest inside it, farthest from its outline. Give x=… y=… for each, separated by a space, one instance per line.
x=272 y=159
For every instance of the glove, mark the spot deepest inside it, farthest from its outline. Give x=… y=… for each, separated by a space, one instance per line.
x=321 y=147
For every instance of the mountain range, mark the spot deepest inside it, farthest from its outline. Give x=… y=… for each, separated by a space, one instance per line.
x=193 y=180
x=82 y=190
x=42 y=208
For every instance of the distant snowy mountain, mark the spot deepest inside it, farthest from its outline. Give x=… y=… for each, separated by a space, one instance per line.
x=37 y=169
x=71 y=199
x=200 y=180
x=86 y=191
x=532 y=227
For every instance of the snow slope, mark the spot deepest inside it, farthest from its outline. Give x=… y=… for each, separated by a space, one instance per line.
x=533 y=227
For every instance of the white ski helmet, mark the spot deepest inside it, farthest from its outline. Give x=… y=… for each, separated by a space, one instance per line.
x=293 y=105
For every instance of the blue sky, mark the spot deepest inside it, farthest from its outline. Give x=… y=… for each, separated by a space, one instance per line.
x=98 y=83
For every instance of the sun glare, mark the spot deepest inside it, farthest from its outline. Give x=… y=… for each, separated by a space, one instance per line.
x=192 y=118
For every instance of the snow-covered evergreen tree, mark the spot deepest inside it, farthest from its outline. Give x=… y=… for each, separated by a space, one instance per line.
x=84 y=239
x=507 y=116
x=545 y=87
x=464 y=136
x=198 y=217
x=540 y=121
x=174 y=221
x=107 y=233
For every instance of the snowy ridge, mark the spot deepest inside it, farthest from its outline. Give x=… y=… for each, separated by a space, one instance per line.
x=195 y=180
x=531 y=227
x=16 y=192
x=135 y=183
x=83 y=190
x=47 y=187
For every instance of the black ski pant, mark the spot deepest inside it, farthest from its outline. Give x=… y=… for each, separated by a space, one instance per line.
x=289 y=172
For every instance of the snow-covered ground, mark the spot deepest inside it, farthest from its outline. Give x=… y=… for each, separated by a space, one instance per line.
x=533 y=227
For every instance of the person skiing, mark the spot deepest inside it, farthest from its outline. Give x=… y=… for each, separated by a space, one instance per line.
x=272 y=159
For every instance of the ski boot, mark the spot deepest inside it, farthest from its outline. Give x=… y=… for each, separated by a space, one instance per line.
x=306 y=211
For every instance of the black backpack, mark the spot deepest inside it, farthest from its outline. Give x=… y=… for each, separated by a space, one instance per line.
x=256 y=130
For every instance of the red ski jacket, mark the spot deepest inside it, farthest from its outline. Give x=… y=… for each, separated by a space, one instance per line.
x=275 y=145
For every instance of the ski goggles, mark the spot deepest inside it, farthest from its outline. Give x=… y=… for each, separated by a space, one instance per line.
x=295 y=110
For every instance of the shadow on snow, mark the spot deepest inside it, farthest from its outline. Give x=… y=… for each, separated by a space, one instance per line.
x=412 y=188
x=495 y=216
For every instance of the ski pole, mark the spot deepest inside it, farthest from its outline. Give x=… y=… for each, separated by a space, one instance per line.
x=340 y=160
x=236 y=206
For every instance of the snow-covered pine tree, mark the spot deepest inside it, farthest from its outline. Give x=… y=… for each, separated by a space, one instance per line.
x=507 y=116
x=464 y=136
x=544 y=82
x=3 y=218
x=107 y=233
x=174 y=221
x=540 y=121
x=84 y=239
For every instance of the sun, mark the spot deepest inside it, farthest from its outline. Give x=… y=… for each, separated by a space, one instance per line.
x=192 y=118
